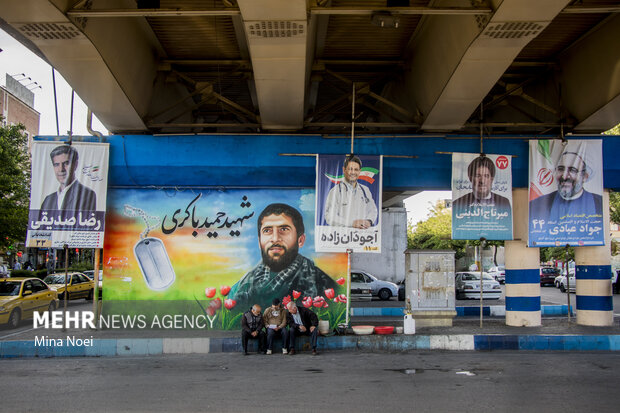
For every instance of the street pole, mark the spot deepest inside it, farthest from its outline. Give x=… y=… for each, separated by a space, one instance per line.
x=66 y=293
x=567 y=280
x=96 y=288
x=349 y=252
x=482 y=243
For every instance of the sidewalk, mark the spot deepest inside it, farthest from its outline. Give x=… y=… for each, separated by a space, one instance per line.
x=555 y=333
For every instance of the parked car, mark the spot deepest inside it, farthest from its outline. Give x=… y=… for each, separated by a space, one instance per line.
x=498 y=273
x=360 y=294
x=562 y=285
x=20 y=297
x=91 y=274
x=378 y=288
x=615 y=287
x=548 y=275
x=78 y=285
x=467 y=285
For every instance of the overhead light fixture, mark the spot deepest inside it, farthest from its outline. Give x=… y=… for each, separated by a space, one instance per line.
x=385 y=19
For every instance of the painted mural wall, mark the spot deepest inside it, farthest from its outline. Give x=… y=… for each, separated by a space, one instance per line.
x=195 y=258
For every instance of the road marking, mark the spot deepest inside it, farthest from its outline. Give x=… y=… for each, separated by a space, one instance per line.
x=16 y=333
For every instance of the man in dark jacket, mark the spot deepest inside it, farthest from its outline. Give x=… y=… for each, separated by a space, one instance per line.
x=252 y=327
x=301 y=321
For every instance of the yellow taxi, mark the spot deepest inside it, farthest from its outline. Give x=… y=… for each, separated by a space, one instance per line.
x=78 y=285
x=21 y=297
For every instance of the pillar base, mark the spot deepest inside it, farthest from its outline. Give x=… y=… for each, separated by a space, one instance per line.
x=595 y=318
x=523 y=318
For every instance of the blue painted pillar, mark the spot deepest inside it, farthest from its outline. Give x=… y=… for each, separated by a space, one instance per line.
x=593 y=279
x=522 y=269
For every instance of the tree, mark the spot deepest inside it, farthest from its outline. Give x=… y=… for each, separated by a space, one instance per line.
x=614 y=207
x=14 y=184
x=435 y=233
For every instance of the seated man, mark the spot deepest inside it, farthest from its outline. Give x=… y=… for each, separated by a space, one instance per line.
x=252 y=327
x=301 y=321
x=275 y=322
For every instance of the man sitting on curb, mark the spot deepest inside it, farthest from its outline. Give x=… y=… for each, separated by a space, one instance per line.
x=275 y=322
x=301 y=321
x=252 y=327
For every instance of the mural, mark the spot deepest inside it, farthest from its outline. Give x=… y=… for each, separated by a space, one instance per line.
x=197 y=258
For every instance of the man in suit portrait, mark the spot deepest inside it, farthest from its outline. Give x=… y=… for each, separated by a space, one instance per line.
x=481 y=173
x=71 y=195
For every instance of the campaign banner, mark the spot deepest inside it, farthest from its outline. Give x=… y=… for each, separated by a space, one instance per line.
x=205 y=257
x=348 y=203
x=481 y=196
x=68 y=195
x=566 y=193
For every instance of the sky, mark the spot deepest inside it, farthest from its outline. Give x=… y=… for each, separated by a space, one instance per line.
x=419 y=206
x=16 y=59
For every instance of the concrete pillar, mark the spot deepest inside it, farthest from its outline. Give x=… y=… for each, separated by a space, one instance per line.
x=593 y=275
x=522 y=269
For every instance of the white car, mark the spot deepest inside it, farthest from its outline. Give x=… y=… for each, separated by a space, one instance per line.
x=467 y=285
x=91 y=274
x=560 y=282
x=498 y=273
x=378 y=288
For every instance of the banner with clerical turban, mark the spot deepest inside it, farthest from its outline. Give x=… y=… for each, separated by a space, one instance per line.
x=565 y=193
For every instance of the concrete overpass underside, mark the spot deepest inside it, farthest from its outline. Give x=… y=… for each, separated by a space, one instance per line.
x=416 y=67
x=272 y=66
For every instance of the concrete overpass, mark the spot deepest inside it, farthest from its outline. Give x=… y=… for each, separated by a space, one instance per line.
x=273 y=66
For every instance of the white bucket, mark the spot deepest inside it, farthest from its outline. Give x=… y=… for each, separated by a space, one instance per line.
x=409 y=324
x=324 y=327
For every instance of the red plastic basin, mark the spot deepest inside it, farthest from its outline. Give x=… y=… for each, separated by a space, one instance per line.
x=384 y=330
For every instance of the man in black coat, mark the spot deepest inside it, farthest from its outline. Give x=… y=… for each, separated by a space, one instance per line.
x=301 y=321
x=252 y=327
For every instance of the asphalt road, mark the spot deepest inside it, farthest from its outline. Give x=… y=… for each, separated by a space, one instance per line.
x=548 y=295
x=333 y=382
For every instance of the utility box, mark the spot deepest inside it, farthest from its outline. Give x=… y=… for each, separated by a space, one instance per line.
x=429 y=286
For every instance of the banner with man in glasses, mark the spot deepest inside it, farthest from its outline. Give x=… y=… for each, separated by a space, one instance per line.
x=565 y=193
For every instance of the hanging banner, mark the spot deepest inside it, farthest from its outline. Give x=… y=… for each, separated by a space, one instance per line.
x=199 y=259
x=68 y=195
x=482 y=196
x=565 y=193
x=348 y=203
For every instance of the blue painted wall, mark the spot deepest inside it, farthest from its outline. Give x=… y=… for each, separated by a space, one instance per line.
x=254 y=160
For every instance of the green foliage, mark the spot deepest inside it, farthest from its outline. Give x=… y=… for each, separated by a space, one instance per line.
x=614 y=207
x=14 y=184
x=613 y=131
x=435 y=233
x=556 y=253
x=41 y=274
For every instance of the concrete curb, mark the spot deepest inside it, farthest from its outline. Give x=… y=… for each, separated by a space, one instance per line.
x=456 y=342
x=490 y=310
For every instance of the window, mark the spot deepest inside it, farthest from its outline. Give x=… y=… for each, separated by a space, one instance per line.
x=37 y=285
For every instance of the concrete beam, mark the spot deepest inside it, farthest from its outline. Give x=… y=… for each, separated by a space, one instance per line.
x=277 y=36
x=460 y=58
x=590 y=72
x=111 y=68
